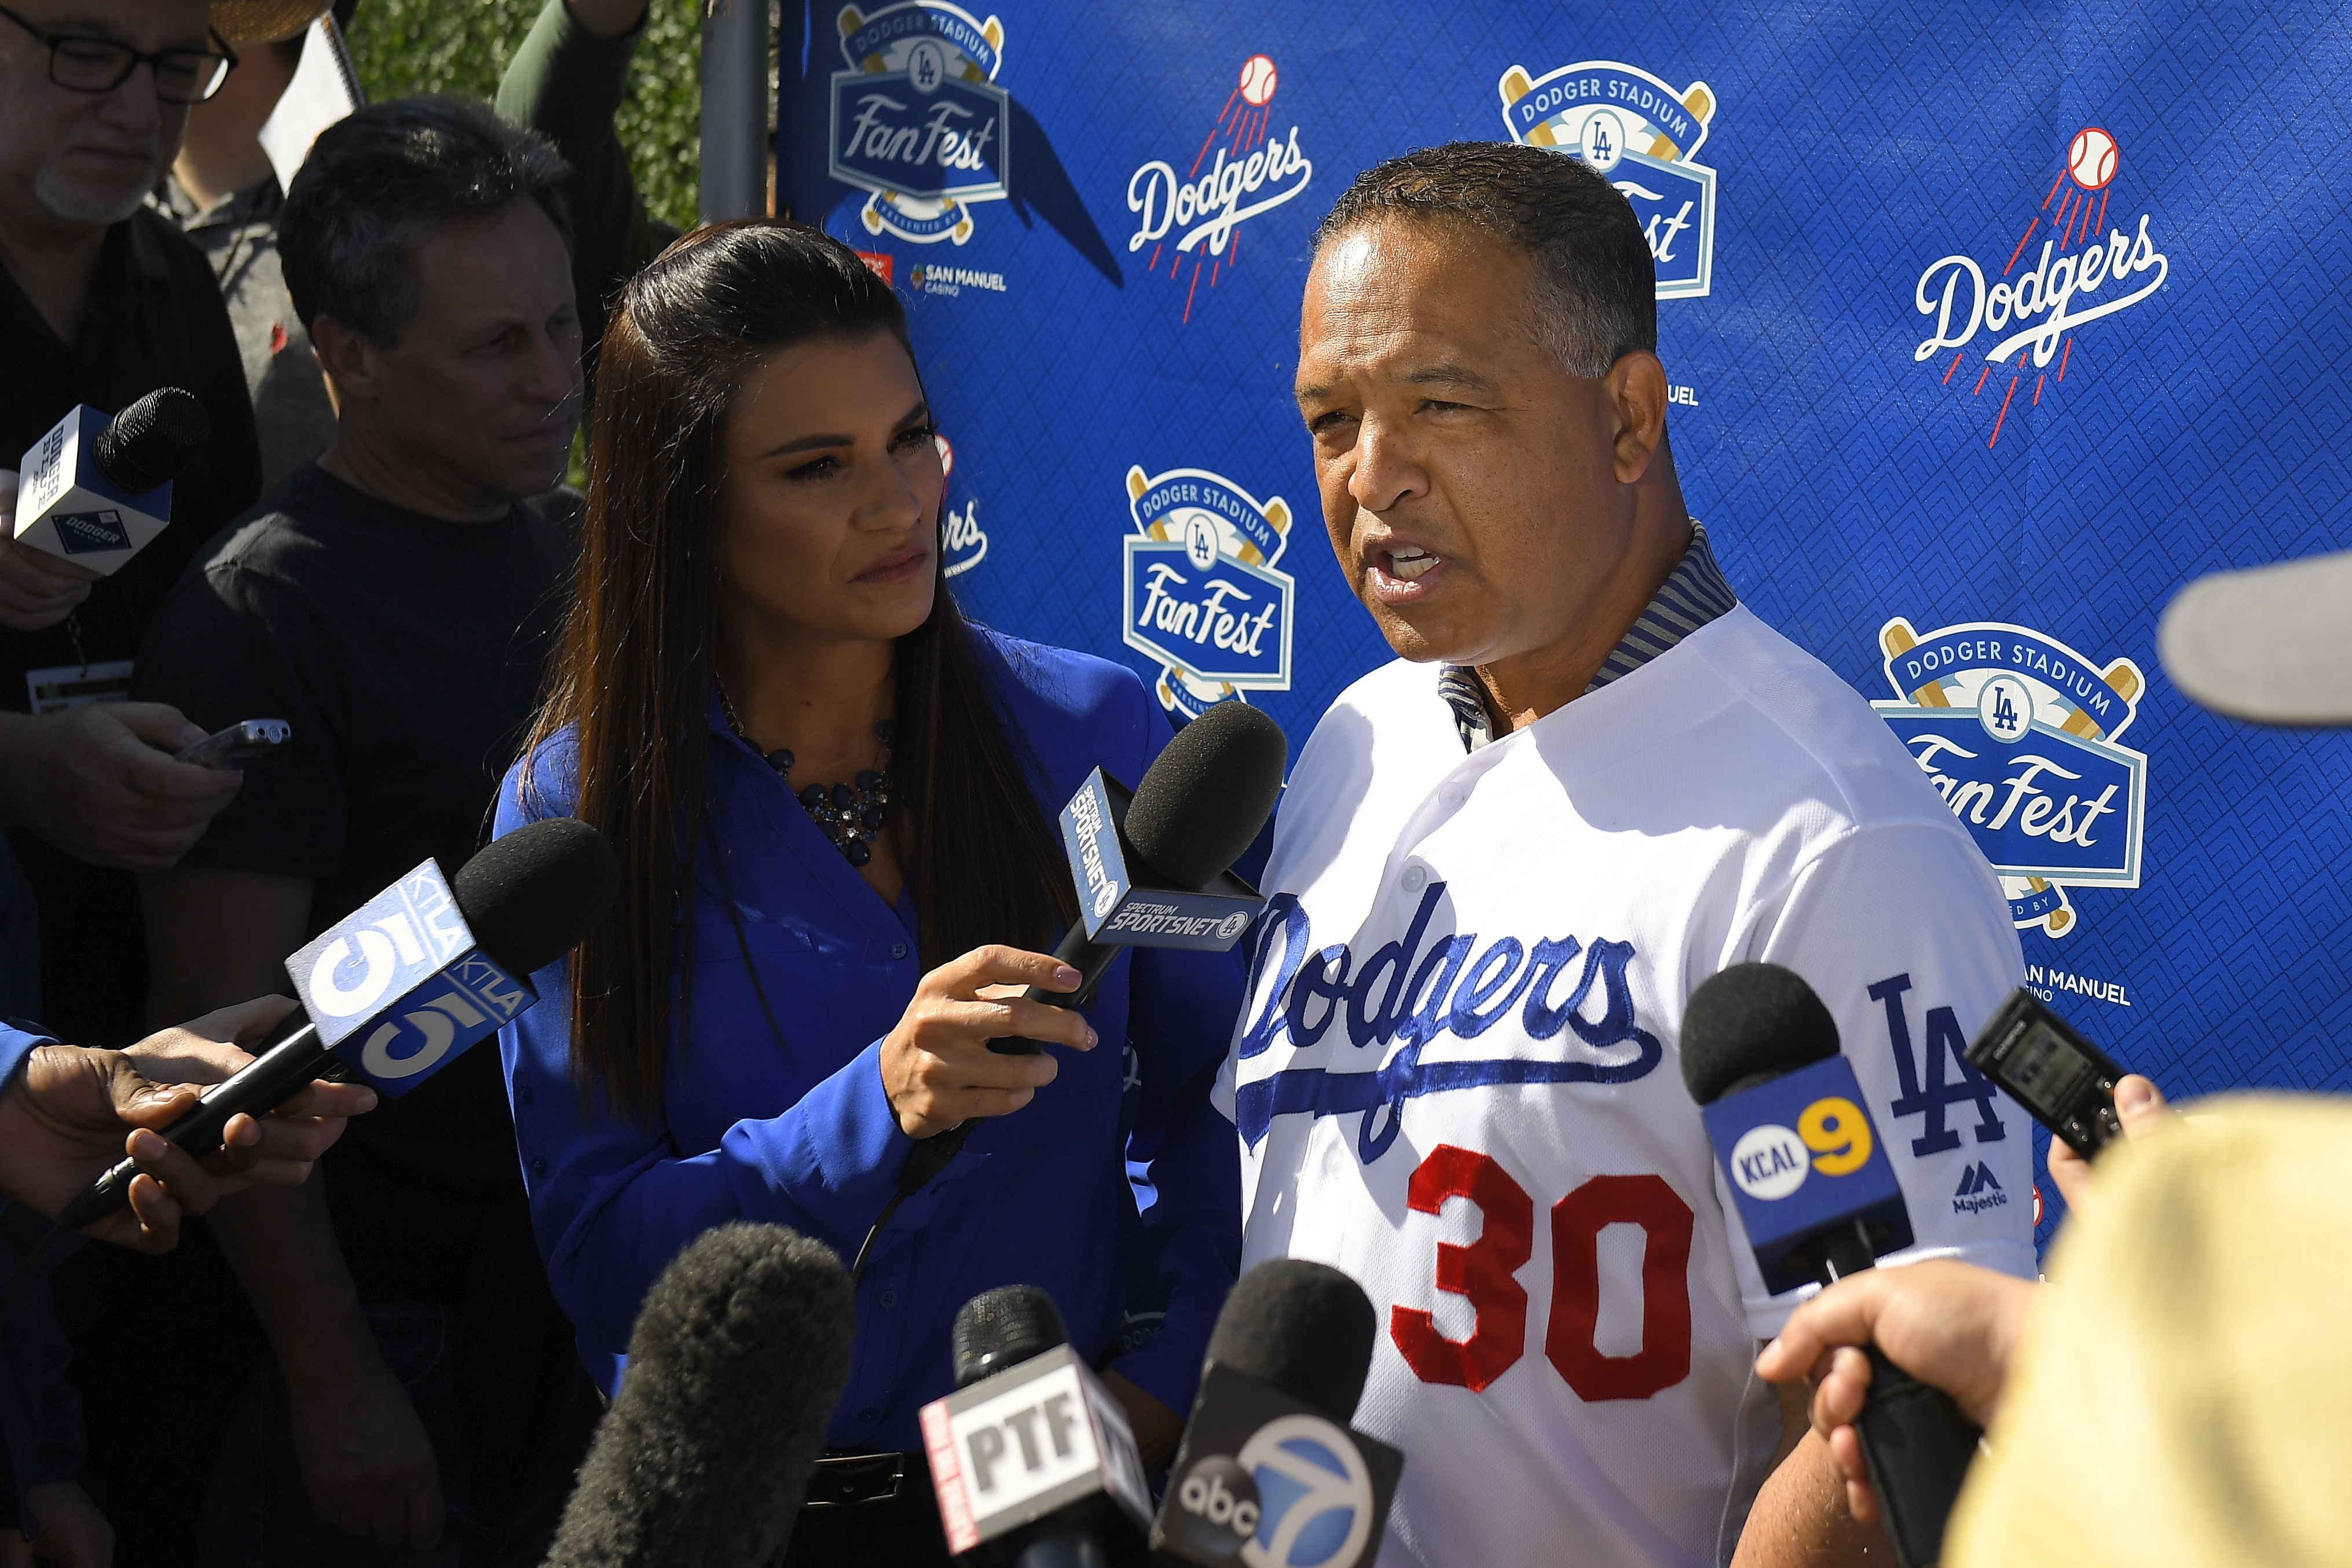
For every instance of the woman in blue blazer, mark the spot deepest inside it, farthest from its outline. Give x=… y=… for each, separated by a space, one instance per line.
x=832 y=798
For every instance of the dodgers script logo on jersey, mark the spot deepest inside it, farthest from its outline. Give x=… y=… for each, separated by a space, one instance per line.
x=1417 y=990
x=1641 y=133
x=1201 y=594
x=2017 y=732
x=917 y=119
x=1253 y=173
x=2082 y=273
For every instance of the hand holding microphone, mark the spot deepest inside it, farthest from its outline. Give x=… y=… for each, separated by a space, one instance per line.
x=937 y=1066
x=38 y=590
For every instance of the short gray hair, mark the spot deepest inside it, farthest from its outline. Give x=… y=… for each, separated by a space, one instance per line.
x=381 y=183
x=1596 y=295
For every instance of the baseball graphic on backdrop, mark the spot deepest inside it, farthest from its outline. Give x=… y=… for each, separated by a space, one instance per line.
x=1257 y=80
x=2092 y=158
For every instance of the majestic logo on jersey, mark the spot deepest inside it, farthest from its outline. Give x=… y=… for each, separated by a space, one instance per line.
x=2017 y=732
x=1195 y=215
x=1978 y=1190
x=1201 y=594
x=1413 y=993
x=917 y=118
x=2083 y=271
x=1641 y=133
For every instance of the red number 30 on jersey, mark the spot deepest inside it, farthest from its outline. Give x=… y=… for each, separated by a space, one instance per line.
x=1481 y=1273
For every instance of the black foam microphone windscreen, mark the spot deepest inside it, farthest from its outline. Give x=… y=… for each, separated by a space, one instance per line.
x=153 y=439
x=1751 y=1021
x=1206 y=794
x=1003 y=1328
x=1302 y=1327
x=523 y=896
x=739 y=1355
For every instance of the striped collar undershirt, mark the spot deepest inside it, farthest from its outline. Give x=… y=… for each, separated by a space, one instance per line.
x=1693 y=594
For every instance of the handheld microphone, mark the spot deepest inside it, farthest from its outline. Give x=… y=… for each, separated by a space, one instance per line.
x=1153 y=866
x=1030 y=1457
x=1269 y=1468
x=96 y=490
x=739 y=1355
x=395 y=990
x=1819 y=1201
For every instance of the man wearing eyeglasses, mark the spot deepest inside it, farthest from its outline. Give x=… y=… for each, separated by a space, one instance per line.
x=101 y=301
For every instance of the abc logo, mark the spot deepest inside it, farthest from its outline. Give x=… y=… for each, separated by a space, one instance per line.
x=1316 y=1493
x=1219 y=1507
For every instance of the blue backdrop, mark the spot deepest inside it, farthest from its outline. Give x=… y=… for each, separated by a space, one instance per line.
x=1989 y=326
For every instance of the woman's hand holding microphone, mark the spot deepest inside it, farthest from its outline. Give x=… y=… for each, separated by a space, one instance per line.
x=937 y=1068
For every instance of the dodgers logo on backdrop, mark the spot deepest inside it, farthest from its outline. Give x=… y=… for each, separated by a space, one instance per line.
x=1195 y=215
x=1201 y=591
x=2083 y=272
x=1641 y=133
x=2017 y=732
x=917 y=118
x=961 y=535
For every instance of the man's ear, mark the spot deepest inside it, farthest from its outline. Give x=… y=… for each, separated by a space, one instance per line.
x=353 y=365
x=1636 y=387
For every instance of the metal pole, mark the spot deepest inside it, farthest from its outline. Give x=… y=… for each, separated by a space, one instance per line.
x=734 y=110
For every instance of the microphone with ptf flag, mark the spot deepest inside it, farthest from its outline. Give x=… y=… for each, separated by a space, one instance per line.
x=97 y=489
x=1031 y=1458
x=1269 y=1469
x=1818 y=1200
x=739 y=1355
x=395 y=991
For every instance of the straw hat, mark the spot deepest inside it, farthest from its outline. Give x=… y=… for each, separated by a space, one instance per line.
x=264 y=21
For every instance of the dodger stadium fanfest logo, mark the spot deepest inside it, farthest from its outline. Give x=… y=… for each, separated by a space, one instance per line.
x=917 y=119
x=1196 y=215
x=1641 y=133
x=2017 y=733
x=1201 y=594
x=2083 y=271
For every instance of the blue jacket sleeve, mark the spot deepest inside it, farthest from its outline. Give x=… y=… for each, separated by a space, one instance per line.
x=40 y=1418
x=612 y=1200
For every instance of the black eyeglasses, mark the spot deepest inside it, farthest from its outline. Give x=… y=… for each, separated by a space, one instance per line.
x=82 y=63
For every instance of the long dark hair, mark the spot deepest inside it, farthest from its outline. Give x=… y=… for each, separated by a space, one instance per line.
x=633 y=674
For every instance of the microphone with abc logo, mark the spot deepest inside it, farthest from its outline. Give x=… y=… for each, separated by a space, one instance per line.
x=395 y=991
x=1818 y=1200
x=1270 y=1475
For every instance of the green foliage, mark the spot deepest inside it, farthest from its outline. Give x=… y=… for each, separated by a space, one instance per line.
x=461 y=47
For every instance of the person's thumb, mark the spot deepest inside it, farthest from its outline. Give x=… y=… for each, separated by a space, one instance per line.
x=140 y=1102
x=2139 y=1106
x=157 y=724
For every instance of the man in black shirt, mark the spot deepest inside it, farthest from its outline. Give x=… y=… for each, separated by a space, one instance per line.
x=102 y=302
x=394 y=602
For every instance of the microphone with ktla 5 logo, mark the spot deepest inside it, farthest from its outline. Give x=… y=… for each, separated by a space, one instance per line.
x=1818 y=1200
x=95 y=490
x=395 y=991
x=1270 y=1474
x=1032 y=1457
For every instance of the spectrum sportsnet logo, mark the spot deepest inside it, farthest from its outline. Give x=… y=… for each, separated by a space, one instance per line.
x=917 y=119
x=2084 y=272
x=1641 y=133
x=2016 y=731
x=1250 y=175
x=1201 y=591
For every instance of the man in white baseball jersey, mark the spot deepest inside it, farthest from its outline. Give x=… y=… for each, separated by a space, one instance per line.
x=1591 y=780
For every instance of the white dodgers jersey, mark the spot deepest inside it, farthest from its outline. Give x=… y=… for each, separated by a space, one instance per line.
x=1456 y=1076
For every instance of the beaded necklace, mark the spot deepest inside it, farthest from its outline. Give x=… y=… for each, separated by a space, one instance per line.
x=852 y=814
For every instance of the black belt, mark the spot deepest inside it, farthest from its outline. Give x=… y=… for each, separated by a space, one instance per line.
x=851 y=1479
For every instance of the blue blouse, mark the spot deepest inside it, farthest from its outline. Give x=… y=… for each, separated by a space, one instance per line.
x=797 y=1130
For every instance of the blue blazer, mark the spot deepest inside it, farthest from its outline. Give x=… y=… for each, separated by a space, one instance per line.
x=796 y=1129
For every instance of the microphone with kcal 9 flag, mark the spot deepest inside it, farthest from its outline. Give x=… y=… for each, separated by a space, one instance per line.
x=1818 y=1200
x=1031 y=1458
x=1154 y=868
x=395 y=990
x=96 y=489
x=739 y=1353
x=1270 y=1472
